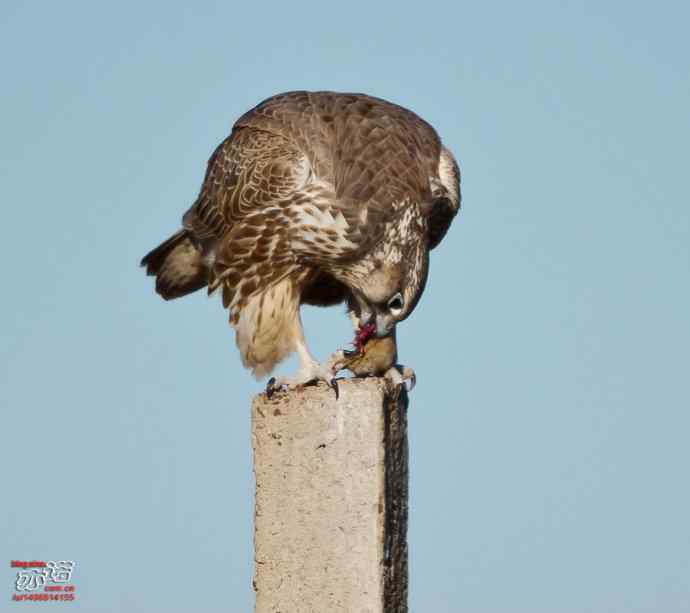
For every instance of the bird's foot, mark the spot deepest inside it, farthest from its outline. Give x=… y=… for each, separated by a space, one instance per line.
x=309 y=373
x=401 y=375
x=340 y=359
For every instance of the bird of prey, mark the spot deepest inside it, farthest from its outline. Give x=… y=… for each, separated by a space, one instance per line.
x=314 y=198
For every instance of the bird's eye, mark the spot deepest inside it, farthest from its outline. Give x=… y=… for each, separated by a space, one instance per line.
x=395 y=304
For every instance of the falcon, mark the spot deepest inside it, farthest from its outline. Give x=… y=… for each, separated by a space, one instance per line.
x=315 y=198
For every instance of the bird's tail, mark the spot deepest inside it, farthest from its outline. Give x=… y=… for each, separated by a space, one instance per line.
x=177 y=265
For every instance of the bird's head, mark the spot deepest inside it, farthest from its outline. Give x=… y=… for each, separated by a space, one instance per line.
x=391 y=289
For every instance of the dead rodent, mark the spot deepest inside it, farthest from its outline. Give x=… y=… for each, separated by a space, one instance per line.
x=377 y=355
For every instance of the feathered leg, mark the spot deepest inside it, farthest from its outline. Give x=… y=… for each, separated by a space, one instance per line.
x=309 y=370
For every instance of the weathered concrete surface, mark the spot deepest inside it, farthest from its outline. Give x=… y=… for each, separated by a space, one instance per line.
x=331 y=499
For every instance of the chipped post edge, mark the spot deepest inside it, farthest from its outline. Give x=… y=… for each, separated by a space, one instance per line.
x=331 y=502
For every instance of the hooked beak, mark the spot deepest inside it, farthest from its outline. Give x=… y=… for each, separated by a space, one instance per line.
x=384 y=325
x=369 y=315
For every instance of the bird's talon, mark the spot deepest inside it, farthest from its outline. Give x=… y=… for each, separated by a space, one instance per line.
x=402 y=376
x=311 y=375
x=271 y=387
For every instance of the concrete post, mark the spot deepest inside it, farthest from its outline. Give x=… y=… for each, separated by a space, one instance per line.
x=331 y=499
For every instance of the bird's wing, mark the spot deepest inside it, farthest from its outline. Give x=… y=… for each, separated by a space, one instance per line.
x=250 y=170
x=372 y=155
x=265 y=214
x=242 y=214
x=446 y=197
x=263 y=208
x=375 y=184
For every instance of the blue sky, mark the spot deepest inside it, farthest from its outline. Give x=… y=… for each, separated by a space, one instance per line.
x=549 y=428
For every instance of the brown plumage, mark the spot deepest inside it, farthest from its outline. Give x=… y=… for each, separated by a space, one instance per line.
x=318 y=198
x=177 y=265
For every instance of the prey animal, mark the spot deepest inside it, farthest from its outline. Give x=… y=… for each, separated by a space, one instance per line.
x=315 y=198
x=377 y=356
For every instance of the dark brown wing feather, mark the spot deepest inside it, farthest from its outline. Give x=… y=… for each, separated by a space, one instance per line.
x=374 y=153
